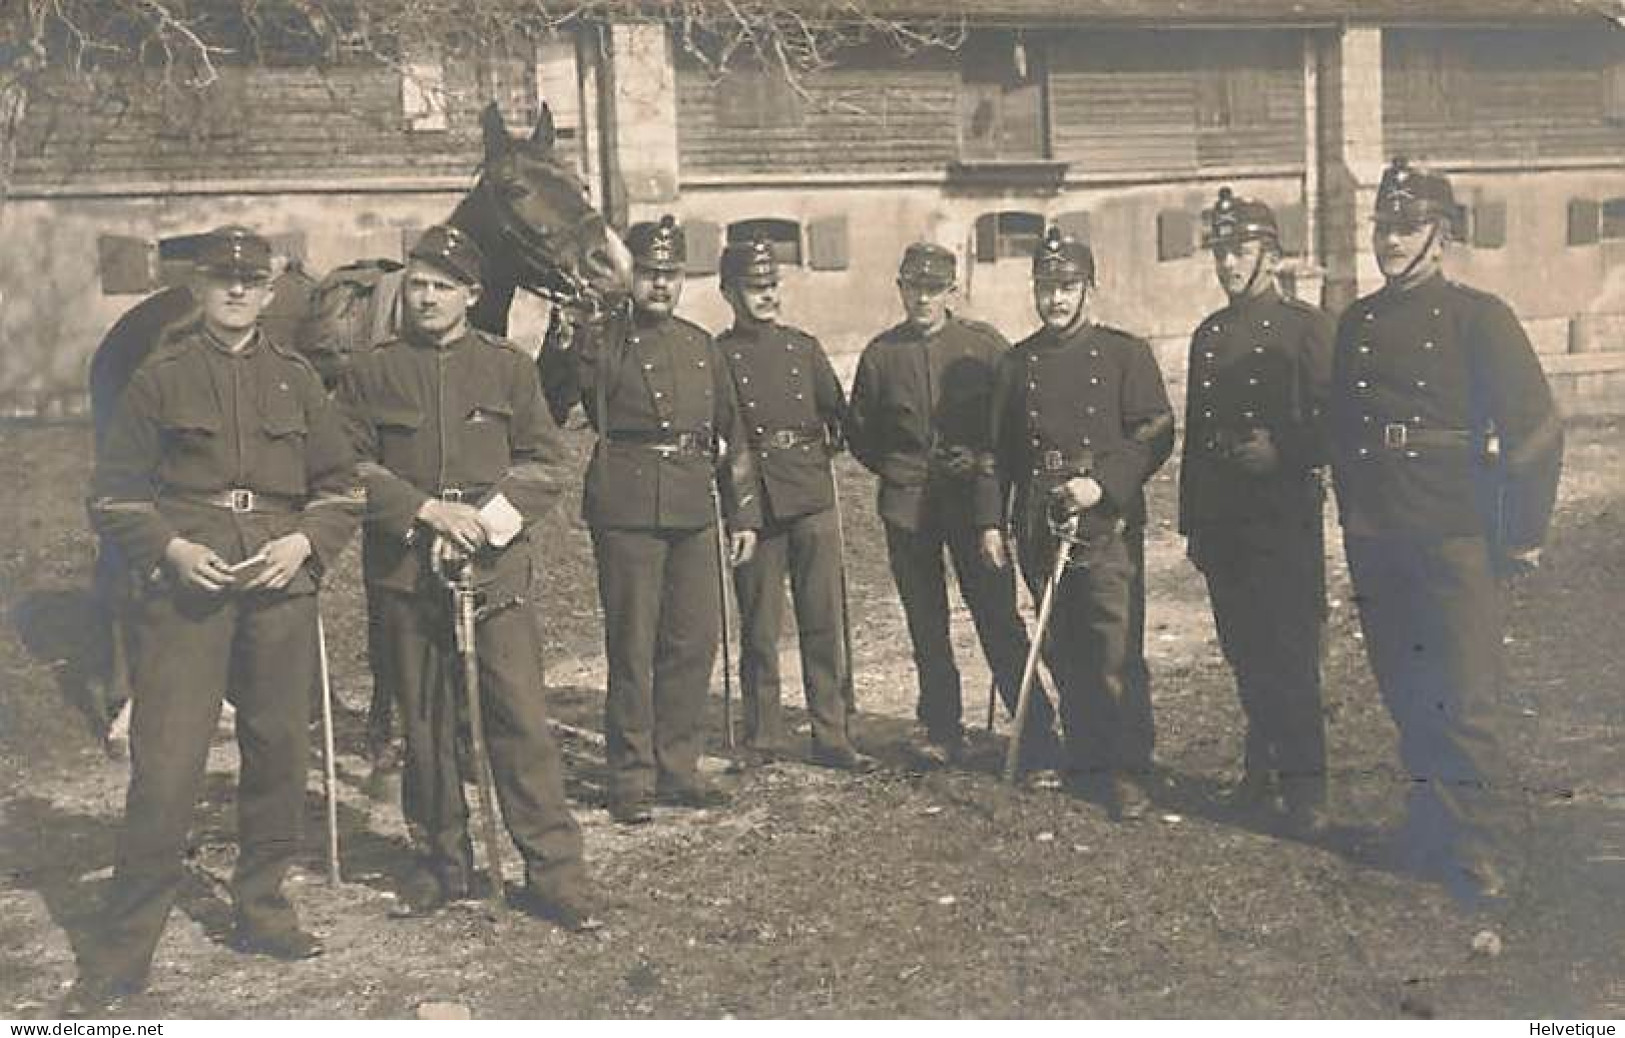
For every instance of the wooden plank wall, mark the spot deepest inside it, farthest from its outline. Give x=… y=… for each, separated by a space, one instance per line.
x=877 y=111
x=257 y=123
x=1137 y=102
x=1501 y=95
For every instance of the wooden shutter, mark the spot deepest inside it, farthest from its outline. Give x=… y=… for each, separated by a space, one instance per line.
x=704 y=240
x=827 y=244
x=128 y=265
x=1585 y=221
x=1176 y=234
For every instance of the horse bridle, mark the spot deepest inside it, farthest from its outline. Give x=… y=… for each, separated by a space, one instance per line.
x=554 y=283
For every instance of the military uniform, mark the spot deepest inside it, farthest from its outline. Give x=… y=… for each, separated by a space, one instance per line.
x=919 y=420
x=1262 y=363
x=1087 y=401
x=793 y=407
x=464 y=421
x=657 y=390
x=229 y=449
x=1423 y=377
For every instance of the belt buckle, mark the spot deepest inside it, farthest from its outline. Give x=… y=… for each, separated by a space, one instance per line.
x=668 y=450
x=1053 y=461
x=783 y=439
x=452 y=494
x=241 y=500
x=1395 y=435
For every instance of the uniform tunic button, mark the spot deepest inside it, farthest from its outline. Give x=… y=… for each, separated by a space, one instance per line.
x=1428 y=345
x=1248 y=414
x=760 y=430
x=1266 y=324
x=1032 y=384
x=1362 y=384
x=737 y=355
x=1367 y=419
x=1363 y=348
x=1032 y=414
x=633 y=339
x=699 y=364
x=659 y=395
x=1089 y=410
x=1207 y=413
x=1094 y=353
x=795 y=371
x=1252 y=382
x=799 y=396
x=744 y=380
x=751 y=404
x=1435 y=311
x=1032 y=358
x=1412 y=454
x=665 y=424
x=648 y=366
x=1094 y=380
x=1258 y=349
x=1086 y=441
x=1369 y=316
x=1421 y=383
x=1365 y=452
x=1207 y=383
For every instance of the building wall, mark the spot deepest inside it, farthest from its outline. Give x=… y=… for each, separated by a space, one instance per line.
x=53 y=312
x=1162 y=300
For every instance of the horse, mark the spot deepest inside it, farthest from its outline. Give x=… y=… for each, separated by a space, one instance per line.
x=529 y=213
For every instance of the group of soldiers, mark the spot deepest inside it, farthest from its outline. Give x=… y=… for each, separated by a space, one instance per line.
x=230 y=480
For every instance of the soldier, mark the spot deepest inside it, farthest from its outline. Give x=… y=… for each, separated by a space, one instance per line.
x=919 y=421
x=1250 y=499
x=1080 y=421
x=225 y=481
x=460 y=459
x=656 y=388
x=793 y=407
x=1446 y=450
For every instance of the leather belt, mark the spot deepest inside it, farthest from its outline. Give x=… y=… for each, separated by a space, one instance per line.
x=1057 y=462
x=241 y=500
x=1397 y=436
x=456 y=494
x=698 y=443
x=789 y=439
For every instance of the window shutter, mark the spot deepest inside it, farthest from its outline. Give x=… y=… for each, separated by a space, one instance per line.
x=704 y=240
x=1176 y=234
x=128 y=265
x=1585 y=221
x=1489 y=225
x=1292 y=220
x=827 y=243
x=987 y=237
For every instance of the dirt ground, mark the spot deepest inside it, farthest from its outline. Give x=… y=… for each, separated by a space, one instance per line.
x=897 y=894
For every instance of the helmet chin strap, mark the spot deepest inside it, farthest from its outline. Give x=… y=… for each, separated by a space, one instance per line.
x=1252 y=279
x=1421 y=254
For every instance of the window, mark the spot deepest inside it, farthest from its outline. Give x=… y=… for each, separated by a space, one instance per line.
x=784 y=234
x=1007 y=234
x=1001 y=97
x=1613 y=220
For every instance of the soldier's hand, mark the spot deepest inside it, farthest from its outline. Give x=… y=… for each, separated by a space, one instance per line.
x=283 y=557
x=1520 y=562
x=197 y=565
x=457 y=522
x=1078 y=494
x=1256 y=454
x=992 y=547
x=741 y=546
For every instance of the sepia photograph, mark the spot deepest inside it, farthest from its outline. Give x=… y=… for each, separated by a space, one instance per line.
x=954 y=510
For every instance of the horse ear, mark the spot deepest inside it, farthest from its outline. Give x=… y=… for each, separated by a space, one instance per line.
x=496 y=132
x=543 y=135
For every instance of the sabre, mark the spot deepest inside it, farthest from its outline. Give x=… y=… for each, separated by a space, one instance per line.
x=849 y=692
x=722 y=596
x=330 y=782
x=1066 y=538
x=464 y=620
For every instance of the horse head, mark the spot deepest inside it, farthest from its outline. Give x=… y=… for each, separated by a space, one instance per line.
x=539 y=230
